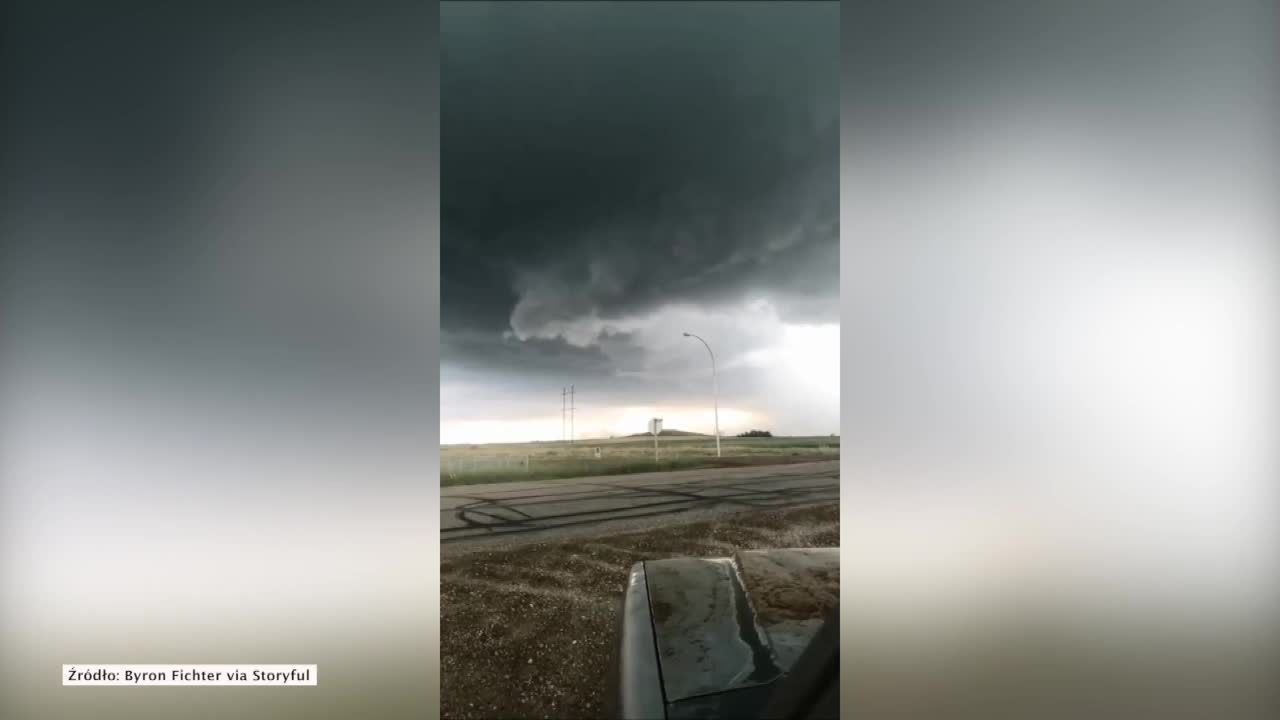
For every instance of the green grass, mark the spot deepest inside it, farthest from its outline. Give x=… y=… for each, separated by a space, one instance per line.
x=471 y=464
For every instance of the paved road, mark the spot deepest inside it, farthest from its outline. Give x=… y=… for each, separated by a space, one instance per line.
x=542 y=510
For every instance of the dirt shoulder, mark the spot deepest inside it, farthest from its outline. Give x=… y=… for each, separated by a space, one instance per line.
x=528 y=632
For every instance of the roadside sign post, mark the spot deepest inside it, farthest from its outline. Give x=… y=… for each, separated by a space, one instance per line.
x=655 y=428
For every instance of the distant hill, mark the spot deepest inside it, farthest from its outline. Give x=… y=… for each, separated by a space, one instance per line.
x=665 y=433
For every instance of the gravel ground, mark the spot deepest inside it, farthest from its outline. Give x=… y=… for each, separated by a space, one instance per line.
x=528 y=632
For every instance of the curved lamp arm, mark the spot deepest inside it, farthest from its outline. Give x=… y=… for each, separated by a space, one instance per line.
x=715 y=389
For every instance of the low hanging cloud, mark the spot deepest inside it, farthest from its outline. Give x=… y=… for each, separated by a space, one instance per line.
x=615 y=175
x=604 y=162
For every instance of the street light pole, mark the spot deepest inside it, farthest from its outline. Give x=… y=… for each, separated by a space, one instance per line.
x=715 y=389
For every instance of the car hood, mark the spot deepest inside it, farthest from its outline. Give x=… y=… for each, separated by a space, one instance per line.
x=724 y=624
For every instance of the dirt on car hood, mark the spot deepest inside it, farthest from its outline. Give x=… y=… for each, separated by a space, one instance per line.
x=724 y=624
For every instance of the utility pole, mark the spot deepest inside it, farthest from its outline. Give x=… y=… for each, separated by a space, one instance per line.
x=562 y=409
x=571 y=414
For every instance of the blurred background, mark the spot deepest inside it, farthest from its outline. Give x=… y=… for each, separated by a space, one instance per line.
x=1059 y=298
x=218 y=373
x=219 y=378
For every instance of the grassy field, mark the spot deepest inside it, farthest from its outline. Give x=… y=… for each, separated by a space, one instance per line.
x=469 y=464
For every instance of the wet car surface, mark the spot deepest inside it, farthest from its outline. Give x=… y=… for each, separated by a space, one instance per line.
x=713 y=637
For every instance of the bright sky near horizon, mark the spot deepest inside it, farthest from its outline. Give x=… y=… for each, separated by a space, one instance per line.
x=600 y=198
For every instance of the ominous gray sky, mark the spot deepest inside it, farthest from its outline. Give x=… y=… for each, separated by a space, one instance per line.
x=613 y=174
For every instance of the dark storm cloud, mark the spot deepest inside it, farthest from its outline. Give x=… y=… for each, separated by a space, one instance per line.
x=535 y=356
x=602 y=160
